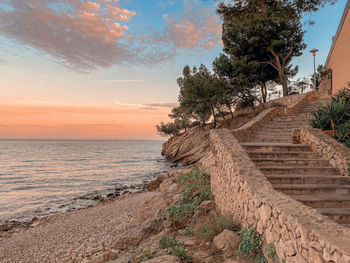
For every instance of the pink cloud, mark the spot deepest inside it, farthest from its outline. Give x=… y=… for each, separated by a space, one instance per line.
x=197 y=27
x=78 y=34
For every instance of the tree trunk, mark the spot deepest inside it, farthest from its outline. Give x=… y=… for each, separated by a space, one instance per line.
x=333 y=127
x=229 y=107
x=263 y=91
x=283 y=81
x=223 y=116
x=212 y=110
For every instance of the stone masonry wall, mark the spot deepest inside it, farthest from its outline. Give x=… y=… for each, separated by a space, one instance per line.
x=292 y=106
x=246 y=131
x=337 y=154
x=301 y=102
x=299 y=233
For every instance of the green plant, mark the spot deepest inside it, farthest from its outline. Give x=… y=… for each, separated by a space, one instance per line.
x=180 y=252
x=270 y=251
x=251 y=245
x=167 y=242
x=143 y=255
x=196 y=189
x=319 y=120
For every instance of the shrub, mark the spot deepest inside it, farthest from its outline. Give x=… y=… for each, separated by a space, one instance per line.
x=214 y=226
x=167 y=242
x=270 y=251
x=179 y=251
x=142 y=256
x=251 y=245
x=174 y=248
x=196 y=189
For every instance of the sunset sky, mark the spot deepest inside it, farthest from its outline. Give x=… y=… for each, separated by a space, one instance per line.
x=108 y=69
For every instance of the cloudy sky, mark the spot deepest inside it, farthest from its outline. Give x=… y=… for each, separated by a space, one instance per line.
x=108 y=69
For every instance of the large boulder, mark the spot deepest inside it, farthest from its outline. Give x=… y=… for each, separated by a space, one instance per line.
x=228 y=242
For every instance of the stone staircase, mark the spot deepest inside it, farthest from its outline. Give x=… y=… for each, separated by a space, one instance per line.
x=296 y=171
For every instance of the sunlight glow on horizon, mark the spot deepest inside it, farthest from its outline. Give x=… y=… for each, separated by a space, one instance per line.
x=121 y=81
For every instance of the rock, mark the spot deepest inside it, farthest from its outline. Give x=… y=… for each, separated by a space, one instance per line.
x=164 y=259
x=188 y=241
x=202 y=257
x=228 y=241
x=207 y=205
x=155 y=207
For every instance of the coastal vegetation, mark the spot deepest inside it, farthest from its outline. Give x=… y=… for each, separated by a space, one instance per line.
x=335 y=116
x=260 y=38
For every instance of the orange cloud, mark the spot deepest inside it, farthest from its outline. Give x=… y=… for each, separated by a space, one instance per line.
x=72 y=121
x=197 y=27
x=78 y=34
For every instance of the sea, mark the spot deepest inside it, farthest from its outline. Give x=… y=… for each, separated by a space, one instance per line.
x=43 y=177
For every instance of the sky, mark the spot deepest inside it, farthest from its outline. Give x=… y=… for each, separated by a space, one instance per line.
x=104 y=69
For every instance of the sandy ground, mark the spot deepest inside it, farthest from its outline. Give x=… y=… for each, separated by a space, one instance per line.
x=65 y=236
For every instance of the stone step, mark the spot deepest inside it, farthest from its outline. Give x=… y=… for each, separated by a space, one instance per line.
x=275 y=147
x=273 y=136
x=324 y=201
x=289 y=162
x=282 y=154
x=346 y=225
x=312 y=189
x=274 y=129
x=326 y=170
x=307 y=179
x=280 y=126
x=339 y=215
x=271 y=133
x=275 y=140
x=287 y=122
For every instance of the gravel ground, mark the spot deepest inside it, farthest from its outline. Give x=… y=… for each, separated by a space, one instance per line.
x=67 y=237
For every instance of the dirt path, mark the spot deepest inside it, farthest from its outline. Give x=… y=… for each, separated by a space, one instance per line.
x=66 y=237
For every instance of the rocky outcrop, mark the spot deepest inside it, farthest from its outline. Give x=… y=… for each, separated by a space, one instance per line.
x=190 y=147
x=228 y=241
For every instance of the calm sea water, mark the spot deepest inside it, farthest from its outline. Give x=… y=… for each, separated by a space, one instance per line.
x=38 y=178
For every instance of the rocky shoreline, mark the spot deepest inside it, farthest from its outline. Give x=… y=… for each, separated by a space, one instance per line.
x=8 y=227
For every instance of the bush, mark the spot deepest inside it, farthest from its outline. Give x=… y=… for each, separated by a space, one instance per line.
x=251 y=246
x=174 y=248
x=167 y=242
x=214 y=226
x=196 y=189
x=180 y=252
x=270 y=251
x=334 y=113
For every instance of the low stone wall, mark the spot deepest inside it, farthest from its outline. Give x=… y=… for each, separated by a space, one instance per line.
x=300 y=102
x=337 y=154
x=299 y=233
x=247 y=131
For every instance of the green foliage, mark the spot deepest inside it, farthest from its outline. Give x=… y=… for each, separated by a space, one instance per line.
x=262 y=37
x=270 y=251
x=196 y=189
x=214 y=226
x=180 y=252
x=143 y=255
x=168 y=129
x=202 y=93
x=251 y=245
x=335 y=113
x=319 y=120
x=174 y=248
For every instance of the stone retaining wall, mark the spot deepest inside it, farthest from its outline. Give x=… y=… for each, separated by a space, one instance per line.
x=297 y=104
x=337 y=154
x=299 y=233
x=293 y=104
x=246 y=131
